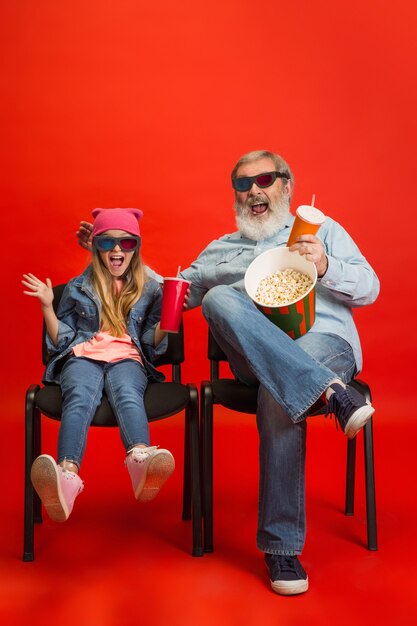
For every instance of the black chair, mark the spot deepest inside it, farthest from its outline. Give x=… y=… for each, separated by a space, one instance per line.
x=161 y=400
x=234 y=395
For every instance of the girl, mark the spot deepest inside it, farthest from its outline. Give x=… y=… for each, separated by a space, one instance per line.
x=103 y=338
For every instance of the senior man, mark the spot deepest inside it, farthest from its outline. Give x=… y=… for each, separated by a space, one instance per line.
x=293 y=375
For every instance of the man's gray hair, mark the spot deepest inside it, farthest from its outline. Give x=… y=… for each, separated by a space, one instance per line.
x=280 y=164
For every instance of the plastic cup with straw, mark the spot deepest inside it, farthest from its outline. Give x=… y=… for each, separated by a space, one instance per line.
x=175 y=290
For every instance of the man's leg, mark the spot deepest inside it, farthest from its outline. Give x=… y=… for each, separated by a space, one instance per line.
x=281 y=513
x=281 y=520
x=294 y=380
x=281 y=517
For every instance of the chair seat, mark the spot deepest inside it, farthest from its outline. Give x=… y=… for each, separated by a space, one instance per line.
x=235 y=395
x=161 y=400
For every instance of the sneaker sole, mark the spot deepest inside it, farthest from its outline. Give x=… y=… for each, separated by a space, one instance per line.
x=159 y=470
x=289 y=587
x=44 y=476
x=358 y=420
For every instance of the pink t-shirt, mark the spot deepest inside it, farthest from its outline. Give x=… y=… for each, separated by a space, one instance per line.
x=105 y=347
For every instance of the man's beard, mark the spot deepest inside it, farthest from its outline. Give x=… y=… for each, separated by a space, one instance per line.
x=257 y=228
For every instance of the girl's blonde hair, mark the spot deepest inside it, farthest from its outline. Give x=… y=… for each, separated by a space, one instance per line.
x=116 y=306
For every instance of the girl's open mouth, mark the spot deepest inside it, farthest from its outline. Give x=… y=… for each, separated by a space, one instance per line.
x=116 y=260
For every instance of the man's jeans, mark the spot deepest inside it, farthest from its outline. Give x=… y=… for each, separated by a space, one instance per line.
x=292 y=375
x=82 y=383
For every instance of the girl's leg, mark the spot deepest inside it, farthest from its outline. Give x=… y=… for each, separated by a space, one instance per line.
x=125 y=384
x=59 y=485
x=82 y=382
x=148 y=466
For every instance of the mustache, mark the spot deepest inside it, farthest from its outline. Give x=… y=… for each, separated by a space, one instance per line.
x=258 y=199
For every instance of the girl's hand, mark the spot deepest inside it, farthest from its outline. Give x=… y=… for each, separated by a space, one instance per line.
x=187 y=295
x=84 y=235
x=40 y=290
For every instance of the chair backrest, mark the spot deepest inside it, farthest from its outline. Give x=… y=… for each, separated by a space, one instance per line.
x=174 y=354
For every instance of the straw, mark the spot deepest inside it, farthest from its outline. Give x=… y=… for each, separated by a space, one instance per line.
x=178 y=270
x=313 y=199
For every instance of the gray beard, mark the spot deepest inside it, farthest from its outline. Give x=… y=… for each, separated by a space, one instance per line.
x=257 y=229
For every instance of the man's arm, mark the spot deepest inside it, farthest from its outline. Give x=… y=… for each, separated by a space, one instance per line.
x=347 y=274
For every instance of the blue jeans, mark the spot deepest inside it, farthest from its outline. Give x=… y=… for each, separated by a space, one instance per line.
x=82 y=383
x=292 y=376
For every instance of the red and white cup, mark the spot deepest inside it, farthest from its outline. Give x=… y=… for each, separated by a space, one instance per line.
x=173 y=297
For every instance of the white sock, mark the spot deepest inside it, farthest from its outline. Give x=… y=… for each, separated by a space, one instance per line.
x=329 y=391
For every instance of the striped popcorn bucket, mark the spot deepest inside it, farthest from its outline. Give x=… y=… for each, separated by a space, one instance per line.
x=296 y=317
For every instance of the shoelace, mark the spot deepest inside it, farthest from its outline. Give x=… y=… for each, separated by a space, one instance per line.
x=68 y=475
x=343 y=402
x=141 y=454
x=287 y=564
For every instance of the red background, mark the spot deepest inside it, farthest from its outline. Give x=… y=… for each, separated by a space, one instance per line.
x=124 y=104
x=128 y=103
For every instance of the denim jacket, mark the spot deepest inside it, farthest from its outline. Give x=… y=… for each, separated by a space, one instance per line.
x=79 y=320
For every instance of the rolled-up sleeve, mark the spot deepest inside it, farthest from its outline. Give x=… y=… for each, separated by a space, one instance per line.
x=67 y=323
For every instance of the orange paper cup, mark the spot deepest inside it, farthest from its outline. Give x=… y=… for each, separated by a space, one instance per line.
x=307 y=221
x=173 y=303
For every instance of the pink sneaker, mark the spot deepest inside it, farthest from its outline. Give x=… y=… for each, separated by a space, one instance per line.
x=149 y=468
x=56 y=487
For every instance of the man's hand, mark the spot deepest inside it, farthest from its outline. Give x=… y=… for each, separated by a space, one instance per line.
x=84 y=235
x=42 y=291
x=312 y=249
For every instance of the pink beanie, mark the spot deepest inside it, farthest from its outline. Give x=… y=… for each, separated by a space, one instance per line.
x=116 y=219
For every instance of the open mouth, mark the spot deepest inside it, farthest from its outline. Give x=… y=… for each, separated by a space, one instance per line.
x=116 y=260
x=259 y=208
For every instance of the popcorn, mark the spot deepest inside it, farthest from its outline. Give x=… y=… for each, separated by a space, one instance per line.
x=283 y=287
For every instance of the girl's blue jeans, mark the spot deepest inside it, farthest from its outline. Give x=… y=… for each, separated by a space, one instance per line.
x=292 y=375
x=82 y=383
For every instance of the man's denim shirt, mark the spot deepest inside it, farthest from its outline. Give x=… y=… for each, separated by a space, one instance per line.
x=79 y=320
x=349 y=281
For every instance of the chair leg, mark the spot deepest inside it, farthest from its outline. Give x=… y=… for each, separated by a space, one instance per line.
x=192 y=411
x=207 y=463
x=350 y=477
x=37 y=504
x=370 y=486
x=186 y=492
x=32 y=419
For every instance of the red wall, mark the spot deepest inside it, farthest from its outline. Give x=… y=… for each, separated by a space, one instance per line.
x=121 y=103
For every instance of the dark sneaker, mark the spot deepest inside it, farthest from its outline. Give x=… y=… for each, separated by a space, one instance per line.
x=286 y=574
x=350 y=408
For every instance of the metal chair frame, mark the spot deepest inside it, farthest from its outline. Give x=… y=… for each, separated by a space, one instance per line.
x=211 y=394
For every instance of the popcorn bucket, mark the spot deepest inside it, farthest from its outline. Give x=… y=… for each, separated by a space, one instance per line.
x=296 y=317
